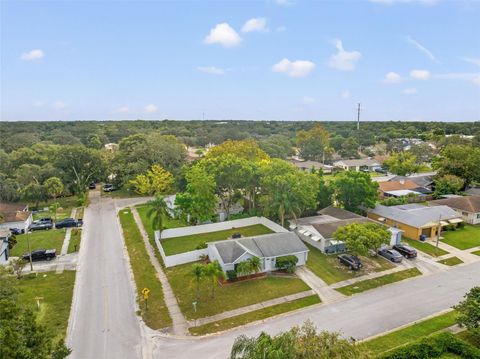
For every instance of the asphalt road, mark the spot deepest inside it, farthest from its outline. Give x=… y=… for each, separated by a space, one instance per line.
x=103 y=323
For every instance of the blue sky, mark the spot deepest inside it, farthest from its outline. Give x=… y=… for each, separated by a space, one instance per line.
x=273 y=60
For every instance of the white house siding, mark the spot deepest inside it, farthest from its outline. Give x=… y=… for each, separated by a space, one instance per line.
x=3 y=252
x=469 y=217
x=20 y=224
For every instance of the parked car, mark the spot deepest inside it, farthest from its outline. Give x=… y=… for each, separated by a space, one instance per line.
x=351 y=261
x=41 y=254
x=406 y=251
x=16 y=231
x=391 y=255
x=43 y=220
x=381 y=170
x=39 y=226
x=109 y=187
x=92 y=185
x=68 y=223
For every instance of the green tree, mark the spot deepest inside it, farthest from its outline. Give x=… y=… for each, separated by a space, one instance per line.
x=277 y=146
x=423 y=152
x=8 y=189
x=54 y=208
x=34 y=192
x=325 y=192
x=402 y=163
x=246 y=149
x=249 y=266
x=363 y=238
x=214 y=272
x=469 y=311
x=460 y=160
x=198 y=272
x=314 y=143
x=355 y=190
x=156 y=181
x=157 y=212
x=349 y=148
x=448 y=184
x=54 y=187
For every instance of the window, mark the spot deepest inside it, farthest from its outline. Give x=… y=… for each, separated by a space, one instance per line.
x=478 y=215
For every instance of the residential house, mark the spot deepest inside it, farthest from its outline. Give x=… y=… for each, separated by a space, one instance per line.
x=318 y=230
x=402 y=188
x=313 y=165
x=363 y=164
x=266 y=247
x=422 y=181
x=416 y=220
x=473 y=191
x=467 y=206
x=15 y=215
x=4 y=250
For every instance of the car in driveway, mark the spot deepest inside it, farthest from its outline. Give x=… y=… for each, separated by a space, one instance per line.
x=16 y=231
x=108 y=187
x=40 y=226
x=41 y=255
x=92 y=185
x=68 y=223
x=391 y=255
x=406 y=251
x=351 y=261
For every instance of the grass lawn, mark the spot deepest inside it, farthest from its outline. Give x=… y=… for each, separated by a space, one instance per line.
x=227 y=297
x=64 y=211
x=331 y=271
x=469 y=338
x=144 y=273
x=50 y=239
x=182 y=244
x=378 y=282
x=57 y=291
x=410 y=334
x=425 y=247
x=147 y=222
x=255 y=315
x=75 y=240
x=477 y=253
x=452 y=261
x=79 y=213
x=464 y=238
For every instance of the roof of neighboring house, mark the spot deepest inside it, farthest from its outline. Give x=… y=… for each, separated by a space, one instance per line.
x=421 y=181
x=396 y=185
x=474 y=191
x=415 y=215
x=360 y=162
x=467 y=203
x=309 y=164
x=14 y=212
x=327 y=229
x=268 y=245
x=4 y=233
x=404 y=192
x=338 y=213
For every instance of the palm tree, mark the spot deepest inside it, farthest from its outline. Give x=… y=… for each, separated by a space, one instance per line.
x=54 y=208
x=198 y=272
x=157 y=212
x=244 y=268
x=214 y=271
x=255 y=264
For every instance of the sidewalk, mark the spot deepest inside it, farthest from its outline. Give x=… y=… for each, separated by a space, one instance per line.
x=250 y=308
x=180 y=326
x=464 y=255
x=66 y=242
x=326 y=293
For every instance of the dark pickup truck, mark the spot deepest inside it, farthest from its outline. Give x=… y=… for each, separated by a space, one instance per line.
x=41 y=255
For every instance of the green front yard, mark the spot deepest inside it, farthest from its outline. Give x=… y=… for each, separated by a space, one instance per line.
x=227 y=297
x=144 y=273
x=463 y=238
x=331 y=271
x=147 y=222
x=379 y=281
x=56 y=291
x=182 y=244
x=254 y=316
x=64 y=211
x=51 y=239
x=477 y=253
x=425 y=247
x=452 y=261
x=74 y=244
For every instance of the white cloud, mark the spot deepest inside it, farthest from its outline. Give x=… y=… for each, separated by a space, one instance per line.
x=224 y=35
x=474 y=78
x=33 y=55
x=307 y=100
x=212 y=70
x=150 y=108
x=344 y=60
x=471 y=60
x=345 y=94
x=410 y=91
x=299 y=68
x=255 y=24
x=422 y=49
x=392 y=78
x=420 y=74
x=123 y=109
x=59 y=105
x=392 y=2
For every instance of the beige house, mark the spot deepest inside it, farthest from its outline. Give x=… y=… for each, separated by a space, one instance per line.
x=468 y=207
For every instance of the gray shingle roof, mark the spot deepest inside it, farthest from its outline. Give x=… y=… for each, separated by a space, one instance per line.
x=421 y=181
x=229 y=250
x=339 y=213
x=415 y=215
x=361 y=162
x=327 y=229
x=467 y=203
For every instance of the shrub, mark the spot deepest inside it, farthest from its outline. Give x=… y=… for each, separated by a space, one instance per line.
x=231 y=274
x=461 y=225
x=202 y=245
x=287 y=262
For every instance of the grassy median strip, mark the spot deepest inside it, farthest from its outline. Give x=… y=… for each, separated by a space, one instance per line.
x=255 y=315
x=425 y=247
x=477 y=253
x=452 y=261
x=75 y=238
x=378 y=282
x=56 y=291
x=157 y=315
x=410 y=334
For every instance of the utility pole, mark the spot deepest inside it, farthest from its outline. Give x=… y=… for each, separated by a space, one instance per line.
x=358 y=116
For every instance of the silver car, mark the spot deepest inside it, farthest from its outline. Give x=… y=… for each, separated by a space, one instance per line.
x=391 y=255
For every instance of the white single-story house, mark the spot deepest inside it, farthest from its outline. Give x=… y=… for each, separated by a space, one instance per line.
x=468 y=207
x=15 y=215
x=266 y=247
x=4 y=250
x=310 y=165
x=367 y=164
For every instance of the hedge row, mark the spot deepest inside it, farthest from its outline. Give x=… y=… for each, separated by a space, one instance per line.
x=434 y=347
